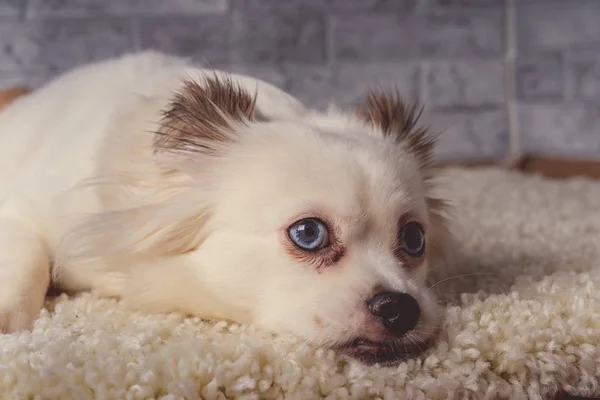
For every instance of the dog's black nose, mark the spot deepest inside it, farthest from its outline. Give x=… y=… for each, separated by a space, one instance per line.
x=399 y=312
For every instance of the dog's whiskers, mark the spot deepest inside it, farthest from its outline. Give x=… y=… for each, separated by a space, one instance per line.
x=415 y=343
x=459 y=276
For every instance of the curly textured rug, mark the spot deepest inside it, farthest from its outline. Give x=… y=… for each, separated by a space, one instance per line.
x=523 y=321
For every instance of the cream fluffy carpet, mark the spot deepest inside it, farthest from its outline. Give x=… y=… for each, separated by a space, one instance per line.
x=523 y=322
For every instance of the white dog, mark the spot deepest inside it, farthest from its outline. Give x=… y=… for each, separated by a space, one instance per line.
x=181 y=189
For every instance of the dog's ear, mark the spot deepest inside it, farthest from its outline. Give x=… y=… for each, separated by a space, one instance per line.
x=388 y=113
x=161 y=229
x=393 y=117
x=202 y=116
x=199 y=121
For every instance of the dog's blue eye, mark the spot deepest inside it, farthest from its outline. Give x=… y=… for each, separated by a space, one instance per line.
x=309 y=234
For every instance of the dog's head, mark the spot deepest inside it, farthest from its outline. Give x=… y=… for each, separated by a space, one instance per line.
x=322 y=224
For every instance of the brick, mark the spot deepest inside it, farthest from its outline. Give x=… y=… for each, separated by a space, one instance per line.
x=560 y=128
x=347 y=85
x=204 y=38
x=181 y=7
x=540 y=77
x=316 y=87
x=464 y=32
x=23 y=78
x=461 y=32
x=353 y=81
x=460 y=3
x=19 y=47
x=375 y=37
x=10 y=8
x=60 y=44
x=69 y=8
x=555 y=25
x=278 y=37
x=465 y=84
x=93 y=8
x=584 y=74
x=471 y=133
x=329 y=5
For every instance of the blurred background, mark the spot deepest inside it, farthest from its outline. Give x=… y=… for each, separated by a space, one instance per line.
x=499 y=77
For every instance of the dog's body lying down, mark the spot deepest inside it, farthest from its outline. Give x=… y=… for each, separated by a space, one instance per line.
x=177 y=188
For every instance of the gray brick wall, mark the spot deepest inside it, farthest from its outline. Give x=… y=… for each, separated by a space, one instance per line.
x=499 y=77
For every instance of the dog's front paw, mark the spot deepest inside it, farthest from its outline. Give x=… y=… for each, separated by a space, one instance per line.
x=17 y=318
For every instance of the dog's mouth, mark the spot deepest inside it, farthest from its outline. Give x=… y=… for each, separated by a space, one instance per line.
x=384 y=353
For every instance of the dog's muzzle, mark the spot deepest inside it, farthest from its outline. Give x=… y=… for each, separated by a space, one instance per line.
x=399 y=313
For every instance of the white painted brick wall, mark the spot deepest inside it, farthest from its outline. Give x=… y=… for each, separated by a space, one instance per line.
x=452 y=54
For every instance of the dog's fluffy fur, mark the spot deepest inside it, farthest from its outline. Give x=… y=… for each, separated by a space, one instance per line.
x=173 y=187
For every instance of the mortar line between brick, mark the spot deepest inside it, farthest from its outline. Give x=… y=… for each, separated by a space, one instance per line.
x=23 y=4
x=511 y=80
x=330 y=57
x=422 y=88
x=136 y=33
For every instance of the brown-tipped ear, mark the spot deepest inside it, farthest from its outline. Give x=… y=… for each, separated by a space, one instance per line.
x=398 y=119
x=201 y=115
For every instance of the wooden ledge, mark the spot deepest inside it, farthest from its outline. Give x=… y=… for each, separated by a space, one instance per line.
x=7 y=96
x=557 y=167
